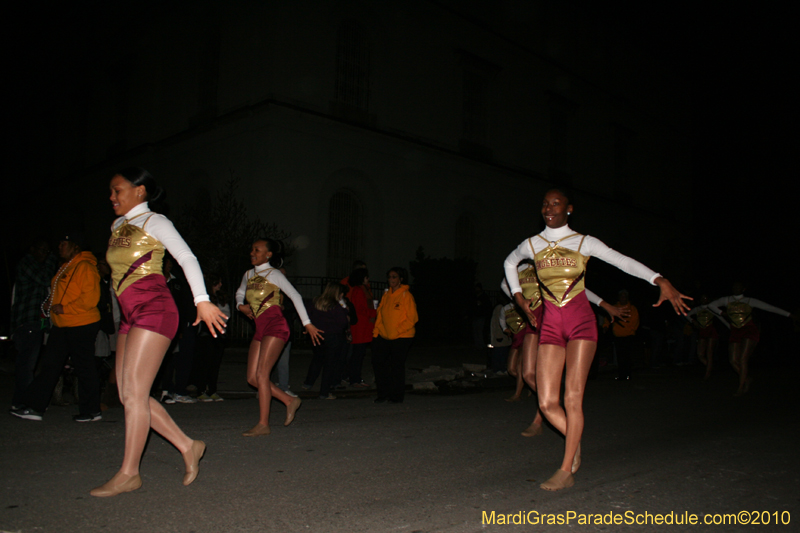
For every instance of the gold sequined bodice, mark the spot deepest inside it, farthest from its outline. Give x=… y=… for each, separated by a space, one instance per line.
x=133 y=254
x=514 y=320
x=739 y=313
x=261 y=294
x=529 y=284
x=704 y=318
x=561 y=271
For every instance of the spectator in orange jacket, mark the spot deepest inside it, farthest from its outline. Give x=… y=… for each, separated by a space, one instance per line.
x=393 y=333
x=72 y=307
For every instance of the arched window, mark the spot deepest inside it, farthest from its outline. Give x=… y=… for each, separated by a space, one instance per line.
x=345 y=232
x=352 y=66
x=466 y=241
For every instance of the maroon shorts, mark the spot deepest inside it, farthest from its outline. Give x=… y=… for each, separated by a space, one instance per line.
x=148 y=304
x=271 y=323
x=748 y=331
x=516 y=340
x=574 y=321
x=708 y=332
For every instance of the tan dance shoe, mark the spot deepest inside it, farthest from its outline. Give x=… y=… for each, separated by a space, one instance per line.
x=257 y=431
x=117 y=485
x=197 y=451
x=560 y=480
x=533 y=430
x=291 y=409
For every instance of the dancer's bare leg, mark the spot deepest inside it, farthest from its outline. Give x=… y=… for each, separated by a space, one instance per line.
x=735 y=355
x=748 y=347
x=515 y=369
x=549 y=369
x=580 y=354
x=530 y=349
x=569 y=421
x=139 y=356
x=262 y=357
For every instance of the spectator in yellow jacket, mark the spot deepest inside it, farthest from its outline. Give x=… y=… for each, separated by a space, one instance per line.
x=393 y=333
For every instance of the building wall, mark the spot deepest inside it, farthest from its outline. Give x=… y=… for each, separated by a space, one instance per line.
x=250 y=88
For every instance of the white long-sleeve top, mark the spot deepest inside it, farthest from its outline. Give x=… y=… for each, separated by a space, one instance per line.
x=592 y=247
x=594 y=298
x=276 y=277
x=162 y=229
x=752 y=302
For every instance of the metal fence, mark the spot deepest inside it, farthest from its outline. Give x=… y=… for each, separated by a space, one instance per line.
x=240 y=329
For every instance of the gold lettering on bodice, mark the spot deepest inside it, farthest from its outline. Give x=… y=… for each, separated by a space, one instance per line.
x=561 y=271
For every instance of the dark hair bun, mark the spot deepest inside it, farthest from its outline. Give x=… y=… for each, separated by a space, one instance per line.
x=276 y=247
x=139 y=176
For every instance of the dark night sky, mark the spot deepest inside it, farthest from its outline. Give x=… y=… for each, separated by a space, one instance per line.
x=741 y=64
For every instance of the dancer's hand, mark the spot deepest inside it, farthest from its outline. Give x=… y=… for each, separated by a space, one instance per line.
x=212 y=316
x=247 y=311
x=525 y=305
x=668 y=292
x=622 y=313
x=314 y=333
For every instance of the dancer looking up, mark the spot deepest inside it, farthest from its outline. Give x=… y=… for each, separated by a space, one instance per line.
x=261 y=287
x=744 y=332
x=138 y=241
x=568 y=334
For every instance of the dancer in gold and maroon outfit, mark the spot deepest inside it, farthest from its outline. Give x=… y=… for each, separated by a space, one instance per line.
x=744 y=332
x=261 y=290
x=568 y=334
x=149 y=321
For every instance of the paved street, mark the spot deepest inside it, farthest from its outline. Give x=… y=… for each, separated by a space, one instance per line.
x=664 y=442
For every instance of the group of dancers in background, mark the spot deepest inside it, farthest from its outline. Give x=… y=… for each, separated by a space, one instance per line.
x=545 y=276
x=744 y=333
